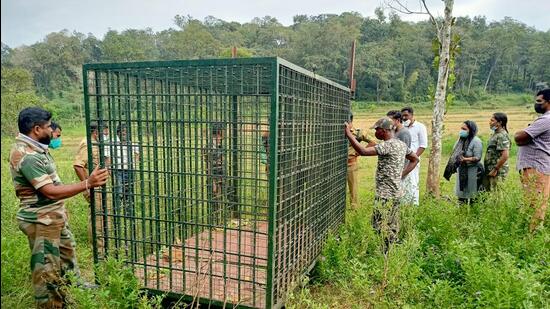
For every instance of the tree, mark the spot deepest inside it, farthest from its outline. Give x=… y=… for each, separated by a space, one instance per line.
x=443 y=35
x=129 y=45
x=6 y=51
x=17 y=93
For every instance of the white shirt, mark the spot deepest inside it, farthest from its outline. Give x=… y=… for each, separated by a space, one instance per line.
x=419 y=136
x=120 y=158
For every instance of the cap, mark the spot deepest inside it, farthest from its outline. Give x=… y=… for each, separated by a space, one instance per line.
x=384 y=123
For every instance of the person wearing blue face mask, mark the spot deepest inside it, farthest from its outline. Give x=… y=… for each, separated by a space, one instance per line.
x=498 y=148
x=464 y=160
x=55 y=142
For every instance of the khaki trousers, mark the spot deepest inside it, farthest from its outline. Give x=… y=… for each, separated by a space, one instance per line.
x=353 y=184
x=536 y=186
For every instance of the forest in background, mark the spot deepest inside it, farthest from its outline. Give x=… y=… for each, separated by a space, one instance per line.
x=395 y=58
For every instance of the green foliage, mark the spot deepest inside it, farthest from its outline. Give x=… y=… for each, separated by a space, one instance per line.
x=118 y=288
x=394 y=61
x=17 y=93
x=469 y=257
x=129 y=45
x=241 y=53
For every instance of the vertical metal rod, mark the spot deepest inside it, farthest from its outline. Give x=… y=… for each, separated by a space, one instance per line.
x=273 y=173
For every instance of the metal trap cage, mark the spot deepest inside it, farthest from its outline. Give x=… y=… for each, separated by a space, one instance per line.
x=226 y=174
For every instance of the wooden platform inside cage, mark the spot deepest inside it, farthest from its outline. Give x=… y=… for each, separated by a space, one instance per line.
x=227 y=266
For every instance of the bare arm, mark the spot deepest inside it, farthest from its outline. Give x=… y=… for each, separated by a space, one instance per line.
x=420 y=151
x=413 y=161
x=370 y=151
x=53 y=192
x=81 y=172
x=522 y=138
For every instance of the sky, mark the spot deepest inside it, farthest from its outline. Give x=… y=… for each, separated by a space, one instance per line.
x=25 y=22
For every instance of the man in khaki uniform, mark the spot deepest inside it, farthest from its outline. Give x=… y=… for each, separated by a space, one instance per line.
x=353 y=183
x=80 y=166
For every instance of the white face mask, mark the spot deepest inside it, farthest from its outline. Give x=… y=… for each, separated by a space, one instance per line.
x=407 y=123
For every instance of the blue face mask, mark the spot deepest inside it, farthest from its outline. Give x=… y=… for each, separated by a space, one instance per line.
x=463 y=133
x=55 y=143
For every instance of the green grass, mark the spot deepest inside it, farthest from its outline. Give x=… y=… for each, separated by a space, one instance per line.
x=464 y=257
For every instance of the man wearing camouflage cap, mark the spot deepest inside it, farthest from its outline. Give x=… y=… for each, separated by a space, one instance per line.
x=353 y=169
x=42 y=215
x=391 y=153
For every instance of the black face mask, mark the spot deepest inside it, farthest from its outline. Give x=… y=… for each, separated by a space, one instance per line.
x=538 y=109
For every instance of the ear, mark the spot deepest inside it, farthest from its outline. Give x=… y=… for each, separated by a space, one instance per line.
x=36 y=129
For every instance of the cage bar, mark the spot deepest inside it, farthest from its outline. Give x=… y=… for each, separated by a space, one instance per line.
x=227 y=174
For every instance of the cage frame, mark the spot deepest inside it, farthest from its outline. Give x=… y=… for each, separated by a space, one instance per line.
x=272 y=301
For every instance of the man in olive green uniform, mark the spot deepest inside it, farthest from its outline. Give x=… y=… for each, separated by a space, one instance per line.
x=353 y=182
x=42 y=214
x=80 y=166
x=217 y=178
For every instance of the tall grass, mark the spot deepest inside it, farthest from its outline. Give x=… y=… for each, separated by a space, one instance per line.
x=478 y=256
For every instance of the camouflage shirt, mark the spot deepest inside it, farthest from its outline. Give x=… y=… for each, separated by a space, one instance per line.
x=214 y=157
x=391 y=161
x=498 y=142
x=32 y=167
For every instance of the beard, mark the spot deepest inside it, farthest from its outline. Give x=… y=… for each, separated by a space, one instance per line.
x=45 y=140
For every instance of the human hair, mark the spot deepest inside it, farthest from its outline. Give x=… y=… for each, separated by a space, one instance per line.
x=395 y=114
x=473 y=128
x=32 y=116
x=218 y=128
x=93 y=126
x=545 y=94
x=54 y=125
x=408 y=109
x=502 y=118
x=120 y=127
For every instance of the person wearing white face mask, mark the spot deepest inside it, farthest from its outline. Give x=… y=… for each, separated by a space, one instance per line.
x=419 y=143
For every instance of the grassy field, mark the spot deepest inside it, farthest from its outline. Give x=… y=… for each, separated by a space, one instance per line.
x=479 y=256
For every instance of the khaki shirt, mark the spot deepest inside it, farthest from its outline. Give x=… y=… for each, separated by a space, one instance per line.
x=361 y=136
x=81 y=158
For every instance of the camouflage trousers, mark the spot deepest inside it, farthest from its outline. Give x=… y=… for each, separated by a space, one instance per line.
x=385 y=220
x=216 y=192
x=492 y=183
x=52 y=256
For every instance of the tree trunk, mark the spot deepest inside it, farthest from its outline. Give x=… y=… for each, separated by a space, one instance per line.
x=471 y=75
x=378 y=90
x=490 y=72
x=444 y=36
